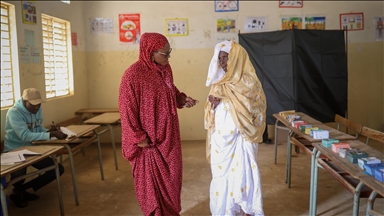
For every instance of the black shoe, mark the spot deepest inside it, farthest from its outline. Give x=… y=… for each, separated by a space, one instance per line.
x=30 y=196
x=268 y=141
x=19 y=200
x=26 y=195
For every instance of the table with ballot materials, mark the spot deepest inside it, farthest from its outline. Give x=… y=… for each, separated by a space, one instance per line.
x=109 y=120
x=351 y=168
x=82 y=133
x=295 y=132
x=24 y=157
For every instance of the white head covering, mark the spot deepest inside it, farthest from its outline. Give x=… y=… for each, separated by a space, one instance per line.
x=215 y=72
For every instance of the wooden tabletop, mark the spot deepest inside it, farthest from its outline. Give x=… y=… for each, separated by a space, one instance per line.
x=96 y=110
x=353 y=169
x=44 y=150
x=105 y=118
x=80 y=130
x=373 y=183
x=333 y=133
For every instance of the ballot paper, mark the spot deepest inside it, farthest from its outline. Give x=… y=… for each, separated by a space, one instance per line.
x=67 y=131
x=13 y=157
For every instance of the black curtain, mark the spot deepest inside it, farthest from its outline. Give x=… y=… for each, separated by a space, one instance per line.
x=301 y=70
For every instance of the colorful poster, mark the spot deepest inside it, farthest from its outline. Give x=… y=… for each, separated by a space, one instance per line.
x=352 y=21
x=255 y=24
x=290 y=4
x=225 y=25
x=315 y=22
x=74 y=38
x=129 y=28
x=226 y=6
x=176 y=27
x=379 y=27
x=102 y=26
x=288 y=23
x=29 y=12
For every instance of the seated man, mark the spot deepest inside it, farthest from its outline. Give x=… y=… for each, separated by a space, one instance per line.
x=23 y=124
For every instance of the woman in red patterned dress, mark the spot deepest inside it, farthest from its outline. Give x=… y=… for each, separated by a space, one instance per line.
x=148 y=100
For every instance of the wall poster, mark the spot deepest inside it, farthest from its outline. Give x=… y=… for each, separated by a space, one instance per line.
x=290 y=4
x=29 y=12
x=225 y=25
x=255 y=24
x=129 y=28
x=379 y=27
x=288 y=23
x=226 y=6
x=102 y=26
x=315 y=22
x=352 y=21
x=176 y=27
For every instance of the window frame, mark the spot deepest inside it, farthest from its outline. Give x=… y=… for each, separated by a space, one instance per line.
x=13 y=54
x=53 y=94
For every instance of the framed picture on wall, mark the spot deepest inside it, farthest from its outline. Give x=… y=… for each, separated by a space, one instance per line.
x=176 y=27
x=29 y=12
x=290 y=4
x=226 y=6
x=352 y=21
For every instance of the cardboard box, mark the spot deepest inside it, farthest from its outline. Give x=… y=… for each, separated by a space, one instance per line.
x=343 y=152
x=320 y=134
x=369 y=160
x=370 y=168
x=337 y=146
x=353 y=156
x=379 y=175
x=328 y=142
x=309 y=130
x=304 y=126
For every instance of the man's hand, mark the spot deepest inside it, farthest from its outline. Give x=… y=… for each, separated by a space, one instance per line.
x=58 y=134
x=54 y=128
x=214 y=100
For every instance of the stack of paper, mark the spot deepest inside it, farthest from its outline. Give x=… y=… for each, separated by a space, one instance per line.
x=13 y=157
x=70 y=133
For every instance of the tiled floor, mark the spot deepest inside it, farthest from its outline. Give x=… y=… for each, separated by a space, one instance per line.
x=115 y=195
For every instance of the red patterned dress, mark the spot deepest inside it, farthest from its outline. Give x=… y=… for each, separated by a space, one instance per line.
x=147 y=104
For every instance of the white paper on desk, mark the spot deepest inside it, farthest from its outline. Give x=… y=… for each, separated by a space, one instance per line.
x=68 y=132
x=26 y=152
x=11 y=157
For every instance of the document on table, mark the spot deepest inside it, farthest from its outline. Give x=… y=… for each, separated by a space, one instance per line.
x=65 y=130
x=11 y=158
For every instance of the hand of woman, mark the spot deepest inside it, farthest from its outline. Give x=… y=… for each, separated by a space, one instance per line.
x=214 y=100
x=144 y=143
x=190 y=102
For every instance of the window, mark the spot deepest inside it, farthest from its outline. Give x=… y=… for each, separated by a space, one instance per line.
x=57 y=57
x=10 y=84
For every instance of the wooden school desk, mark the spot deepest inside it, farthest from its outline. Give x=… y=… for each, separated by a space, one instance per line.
x=45 y=151
x=95 y=111
x=333 y=134
x=109 y=120
x=352 y=169
x=80 y=131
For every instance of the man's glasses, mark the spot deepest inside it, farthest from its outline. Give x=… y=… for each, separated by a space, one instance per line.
x=165 y=54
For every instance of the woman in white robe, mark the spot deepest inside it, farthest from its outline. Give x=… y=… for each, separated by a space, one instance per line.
x=235 y=120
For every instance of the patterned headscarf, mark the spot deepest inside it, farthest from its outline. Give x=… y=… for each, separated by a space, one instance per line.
x=215 y=72
x=149 y=43
x=242 y=90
